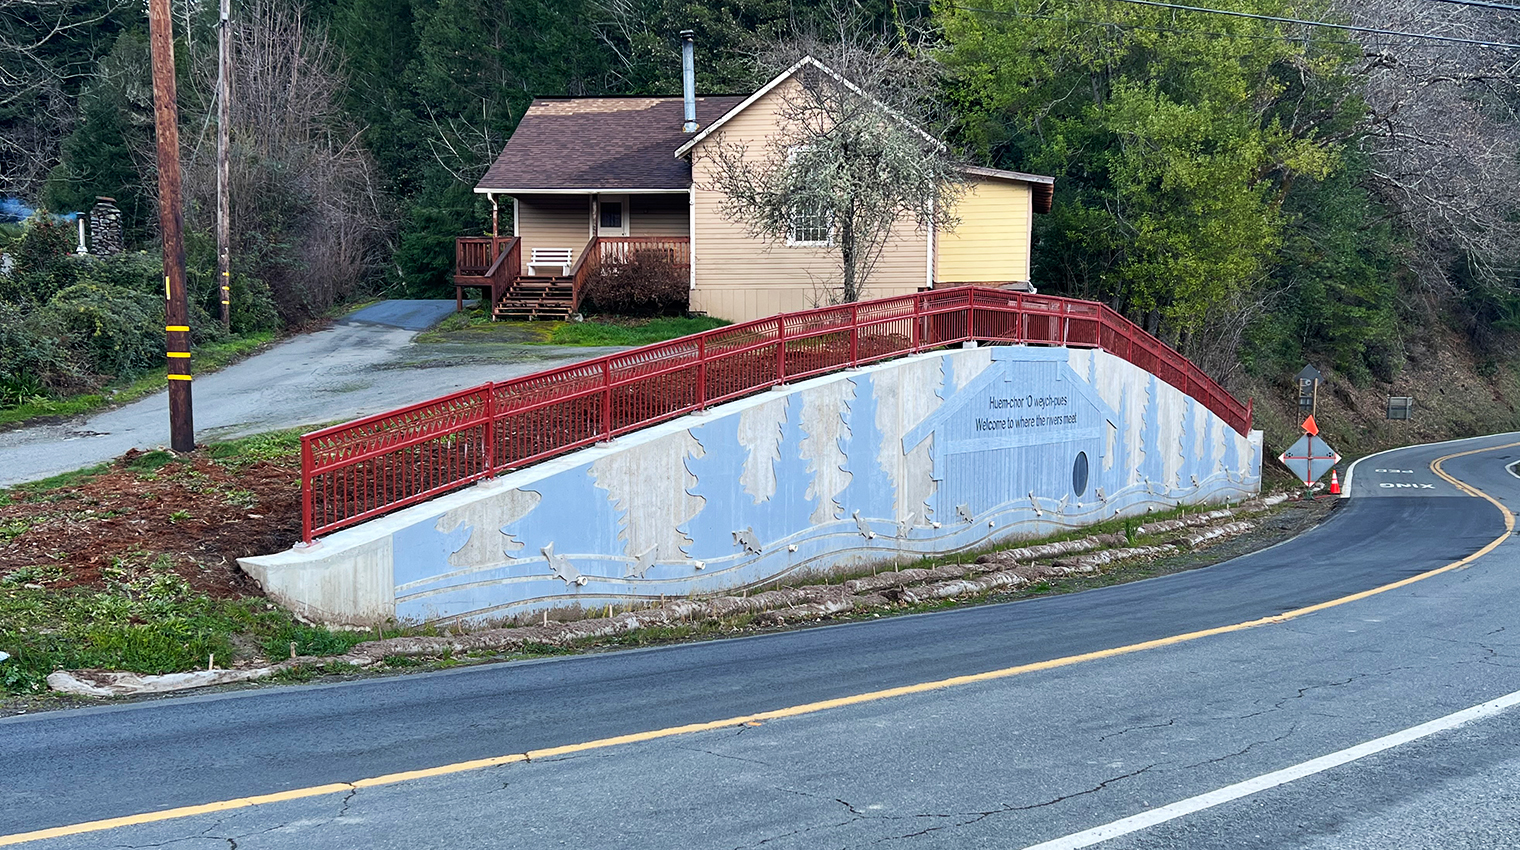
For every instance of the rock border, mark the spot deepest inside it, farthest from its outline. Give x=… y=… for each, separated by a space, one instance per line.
x=1006 y=569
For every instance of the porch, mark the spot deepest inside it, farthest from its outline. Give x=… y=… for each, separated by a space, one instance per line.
x=495 y=265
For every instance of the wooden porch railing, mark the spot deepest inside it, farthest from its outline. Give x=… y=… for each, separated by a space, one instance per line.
x=620 y=249
x=493 y=261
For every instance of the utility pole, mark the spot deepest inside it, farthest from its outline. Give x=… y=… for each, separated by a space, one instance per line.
x=171 y=224
x=223 y=132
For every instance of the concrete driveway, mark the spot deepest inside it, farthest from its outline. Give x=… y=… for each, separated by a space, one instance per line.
x=364 y=363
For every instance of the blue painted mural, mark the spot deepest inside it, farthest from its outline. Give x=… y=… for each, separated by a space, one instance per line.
x=942 y=452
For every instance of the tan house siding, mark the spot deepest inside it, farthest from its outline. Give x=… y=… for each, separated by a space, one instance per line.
x=659 y=215
x=553 y=221
x=738 y=277
x=991 y=242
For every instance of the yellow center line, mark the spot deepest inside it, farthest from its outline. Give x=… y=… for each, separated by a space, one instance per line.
x=780 y=713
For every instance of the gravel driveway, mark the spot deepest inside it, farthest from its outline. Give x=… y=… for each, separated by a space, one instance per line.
x=364 y=363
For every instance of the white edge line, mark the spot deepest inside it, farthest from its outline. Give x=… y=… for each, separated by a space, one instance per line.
x=1351 y=470
x=1145 y=820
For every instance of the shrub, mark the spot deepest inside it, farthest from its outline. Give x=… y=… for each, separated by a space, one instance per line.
x=29 y=355
x=648 y=283
x=43 y=261
x=116 y=331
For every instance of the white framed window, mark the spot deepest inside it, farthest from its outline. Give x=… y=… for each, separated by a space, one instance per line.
x=810 y=225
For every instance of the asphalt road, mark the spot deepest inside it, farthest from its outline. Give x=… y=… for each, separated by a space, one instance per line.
x=1007 y=762
x=364 y=363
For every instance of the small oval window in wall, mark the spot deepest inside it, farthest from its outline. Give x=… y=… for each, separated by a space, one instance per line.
x=1079 y=474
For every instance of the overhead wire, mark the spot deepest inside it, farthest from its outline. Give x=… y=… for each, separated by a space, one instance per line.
x=1481 y=4
x=1500 y=45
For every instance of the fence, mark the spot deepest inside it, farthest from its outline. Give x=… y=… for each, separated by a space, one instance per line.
x=362 y=469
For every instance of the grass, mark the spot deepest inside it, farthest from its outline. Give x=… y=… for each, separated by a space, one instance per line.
x=273 y=446
x=475 y=325
x=208 y=358
x=147 y=620
x=637 y=332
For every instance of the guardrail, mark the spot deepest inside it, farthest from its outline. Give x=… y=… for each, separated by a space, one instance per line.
x=371 y=466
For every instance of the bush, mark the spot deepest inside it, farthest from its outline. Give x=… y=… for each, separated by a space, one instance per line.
x=116 y=331
x=649 y=283
x=29 y=355
x=43 y=261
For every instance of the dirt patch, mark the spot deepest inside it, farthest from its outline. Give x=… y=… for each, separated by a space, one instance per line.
x=199 y=513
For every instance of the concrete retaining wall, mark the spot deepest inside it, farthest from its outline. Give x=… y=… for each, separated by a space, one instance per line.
x=931 y=454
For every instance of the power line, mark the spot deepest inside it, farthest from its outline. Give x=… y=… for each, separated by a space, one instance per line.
x=1171 y=30
x=1345 y=27
x=1482 y=4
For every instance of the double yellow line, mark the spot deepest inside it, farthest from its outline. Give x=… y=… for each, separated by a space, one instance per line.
x=780 y=713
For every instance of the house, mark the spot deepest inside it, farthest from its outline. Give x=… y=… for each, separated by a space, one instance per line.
x=586 y=180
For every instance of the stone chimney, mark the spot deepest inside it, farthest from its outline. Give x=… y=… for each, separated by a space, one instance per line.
x=105 y=227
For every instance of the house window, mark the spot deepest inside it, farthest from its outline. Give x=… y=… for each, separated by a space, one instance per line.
x=811 y=224
x=612 y=215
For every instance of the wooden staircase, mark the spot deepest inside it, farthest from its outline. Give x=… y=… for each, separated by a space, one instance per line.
x=537 y=299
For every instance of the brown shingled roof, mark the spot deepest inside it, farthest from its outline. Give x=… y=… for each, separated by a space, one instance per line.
x=606 y=143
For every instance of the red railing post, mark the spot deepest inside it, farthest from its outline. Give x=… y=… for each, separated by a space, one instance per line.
x=781 y=349
x=855 y=334
x=702 y=372
x=490 y=429
x=607 y=399
x=970 y=313
x=918 y=321
x=306 y=484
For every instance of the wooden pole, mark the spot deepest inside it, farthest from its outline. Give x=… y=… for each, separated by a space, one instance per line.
x=223 y=134
x=171 y=224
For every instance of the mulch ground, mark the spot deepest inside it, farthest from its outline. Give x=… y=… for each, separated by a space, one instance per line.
x=200 y=514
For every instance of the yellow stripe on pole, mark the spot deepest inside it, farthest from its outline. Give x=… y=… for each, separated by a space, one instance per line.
x=184 y=354
x=184 y=328
x=179 y=377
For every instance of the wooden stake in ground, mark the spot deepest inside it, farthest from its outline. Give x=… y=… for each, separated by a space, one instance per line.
x=223 y=139
x=171 y=223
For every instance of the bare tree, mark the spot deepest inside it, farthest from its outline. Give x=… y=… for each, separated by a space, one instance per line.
x=1443 y=134
x=36 y=76
x=850 y=161
x=306 y=208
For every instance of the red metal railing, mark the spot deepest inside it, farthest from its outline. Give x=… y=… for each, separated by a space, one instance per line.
x=365 y=468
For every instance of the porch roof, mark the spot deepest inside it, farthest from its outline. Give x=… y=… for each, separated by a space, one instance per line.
x=599 y=144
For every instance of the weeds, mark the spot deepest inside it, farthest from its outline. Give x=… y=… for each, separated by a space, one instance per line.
x=147 y=620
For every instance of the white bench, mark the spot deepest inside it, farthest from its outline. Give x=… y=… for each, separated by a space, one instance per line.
x=549 y=257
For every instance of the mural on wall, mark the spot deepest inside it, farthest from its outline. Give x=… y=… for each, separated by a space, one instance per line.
x=932 y=454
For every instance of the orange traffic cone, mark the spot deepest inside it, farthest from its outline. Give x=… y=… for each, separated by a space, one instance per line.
x=1335 y=484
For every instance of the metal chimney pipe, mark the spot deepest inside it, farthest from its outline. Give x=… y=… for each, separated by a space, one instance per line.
x=689 y=80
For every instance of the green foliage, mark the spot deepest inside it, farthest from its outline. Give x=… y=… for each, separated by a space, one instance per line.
x=1336 y=288
x=114 y=331
x=252 y=309
x=1173 y=146
x=639 y=333
x=44 y=261
x=271 y=446
x=425 y=253
x=115 y=120
x=146 y=620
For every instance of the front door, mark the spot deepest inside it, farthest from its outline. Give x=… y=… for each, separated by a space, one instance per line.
x=612 y=215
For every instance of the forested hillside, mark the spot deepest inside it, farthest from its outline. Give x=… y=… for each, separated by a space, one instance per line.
x=1258 y=191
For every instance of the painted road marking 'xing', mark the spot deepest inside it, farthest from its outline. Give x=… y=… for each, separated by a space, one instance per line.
x=776 y=714
x=1192 y=805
